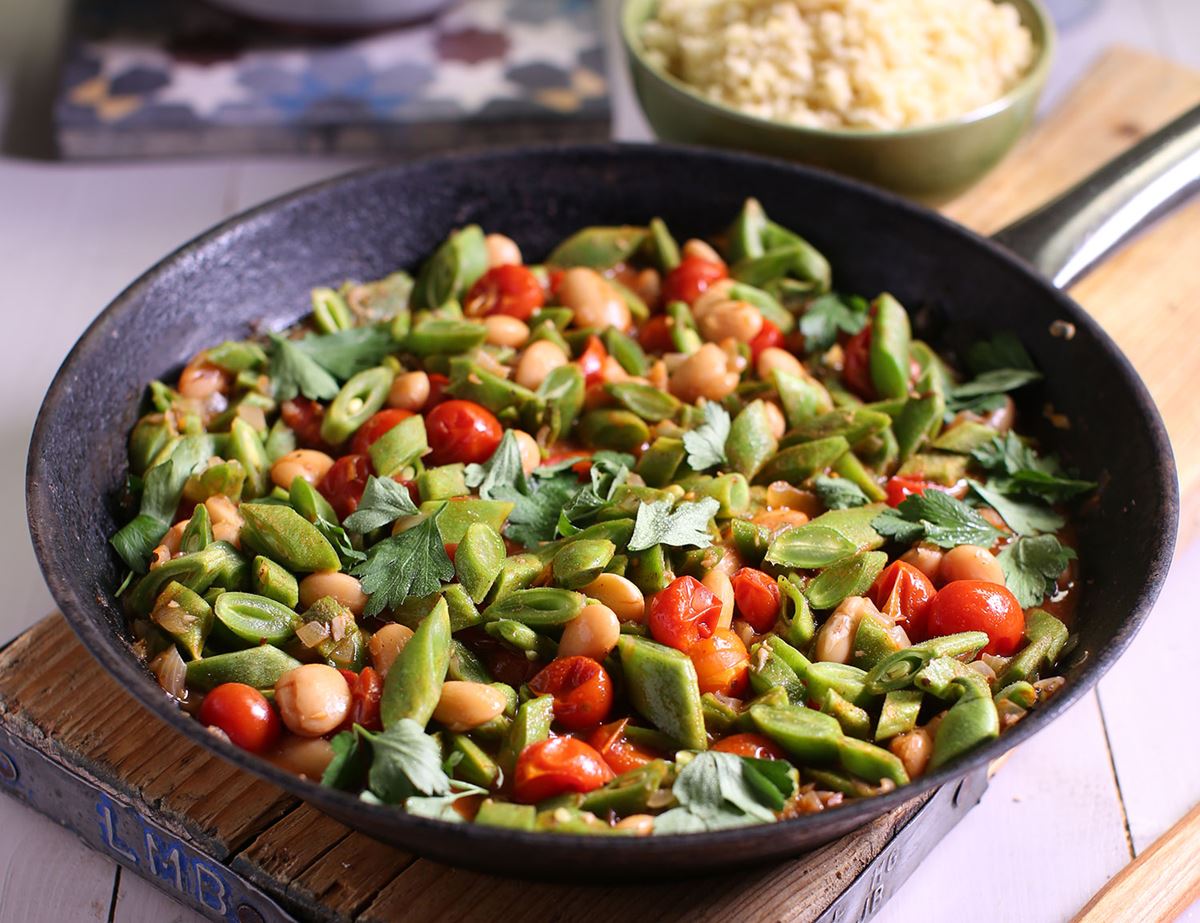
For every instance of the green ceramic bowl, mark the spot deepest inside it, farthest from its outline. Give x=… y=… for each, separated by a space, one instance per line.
x=931 y=162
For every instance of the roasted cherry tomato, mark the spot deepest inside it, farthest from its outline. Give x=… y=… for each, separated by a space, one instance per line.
x=375 y=427
x=754 y=746
x=243 y=713
x=769 y=336
x=856 y=367
x=722 y=663
x=591 y=361
x=505 y=664
x=344 y=483
x=904 y=592
x=976 y=605
x=581 y=688
x=691 y=278
x=556 y=766
x=511 y=290
x=621 y=753
x=757 y=598
x=461 y=431
x=899 y=489
x=655 y=335
x=684 y=613
x=304 y=418
x=437 y=389
x=366 y=689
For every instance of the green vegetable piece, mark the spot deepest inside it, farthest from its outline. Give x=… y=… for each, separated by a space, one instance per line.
x=870 y=762
x=442 y=483
x=516 y=572
x=414 y=683
x=800 y=462
x=663 y=250
x=454 y=267
x=443 y=336
x=464 y=665
x=768 y=670
x=597 y=247
x=849 y=577
x=356 y=402
x=795 y=614
x=308 y=502
x=848 y=680
x=185 y=616
x=684 y=335
x=540 y=607
x=474 y=765
x=745 y=236
x=808 y=546
x=218 y=564
x=246 y=447
x=946 y=470
x=872 y=643
x=1046 y=637
x=561 y=395
x=663 y=687
x=523 y=638
x=632 y=792
x=807 y=736
x=797 y=260
x=259 y=667
x=226 y=479
x=750 y=541
x=919 y=419
x=256 y=619
x=579 y=563
x=272 y=580
x=399 y=447
x=502 y=397
x=330 y=311
x=506 y=814
x=767 y=304
x=348 y=652
x=150 y=436
x=649 y=569
x=851 y=469
x=619 y=430
x=282 y=534
x=751 y=442
x=855 y=721
x=479 y=559
x=899 y=670
x=891 y=337
x=719 y=715
x=280 y=441
x=532 y=724
x=731 y=491
x=797 y=662
x=626 y=350
x=463 y=611
x=198 y=532
x=964 y=438
x=644 y=401
x=458 y=515
x=899 y=713
x=854 y=424
x=660 y=463
x=972 y=720
x=802 y=398
x=1021 y=693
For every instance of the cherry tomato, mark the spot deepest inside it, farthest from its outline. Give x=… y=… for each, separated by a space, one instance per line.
x=304 y=418
x=504 y=663
x=554 y=279
x=621 y=753
x=754 y=746
x=976 y=605
x=366 y=689
x=461 y=431
x=757 y=598
x=655 y=335
x=856 y=367
x=556 y=766
x=899 y=489
x=722 y=663
x=375 y=427
x=344 y=483
x=904 y=592
x=581 y=688
x=243 y=713
x=769 y=336
x=688 y=280
x=684 y=613
x=591 y=361
x=437 y=388
x=511 y=290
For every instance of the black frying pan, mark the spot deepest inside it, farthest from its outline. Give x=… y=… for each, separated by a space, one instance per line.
x=255 y=270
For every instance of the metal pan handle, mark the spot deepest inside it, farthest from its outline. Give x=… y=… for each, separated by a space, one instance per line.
x=1066 y=237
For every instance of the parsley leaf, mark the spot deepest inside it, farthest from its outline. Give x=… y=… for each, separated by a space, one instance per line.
x=349 y=764
x=720 y=790
x=706 y=443
x=441 y=807
x=413 y=563
x=1003 y=351
x=839 y=493
x=293 y=371
x=534 y=518
x=383 y=502
x=1024 y=518
x=608 y=472
x=1027 y=472
x=502 y=470
x=348 y=352
x=337 y=537
x=687 y=524
x=997 y=381
x=1031 y=567
x=405 y=761
x=830 y=315
x=940 y=519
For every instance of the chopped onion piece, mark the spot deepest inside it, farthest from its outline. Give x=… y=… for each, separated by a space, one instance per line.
x=312 y=633
x=171 y=672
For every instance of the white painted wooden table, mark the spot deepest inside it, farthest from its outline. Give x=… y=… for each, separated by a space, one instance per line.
x=1068 y=810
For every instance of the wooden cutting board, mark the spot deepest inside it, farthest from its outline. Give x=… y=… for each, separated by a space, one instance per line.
x=1147 y=296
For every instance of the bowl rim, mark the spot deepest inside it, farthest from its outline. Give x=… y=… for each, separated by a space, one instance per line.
x=1030 y=82
x=75 y=601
